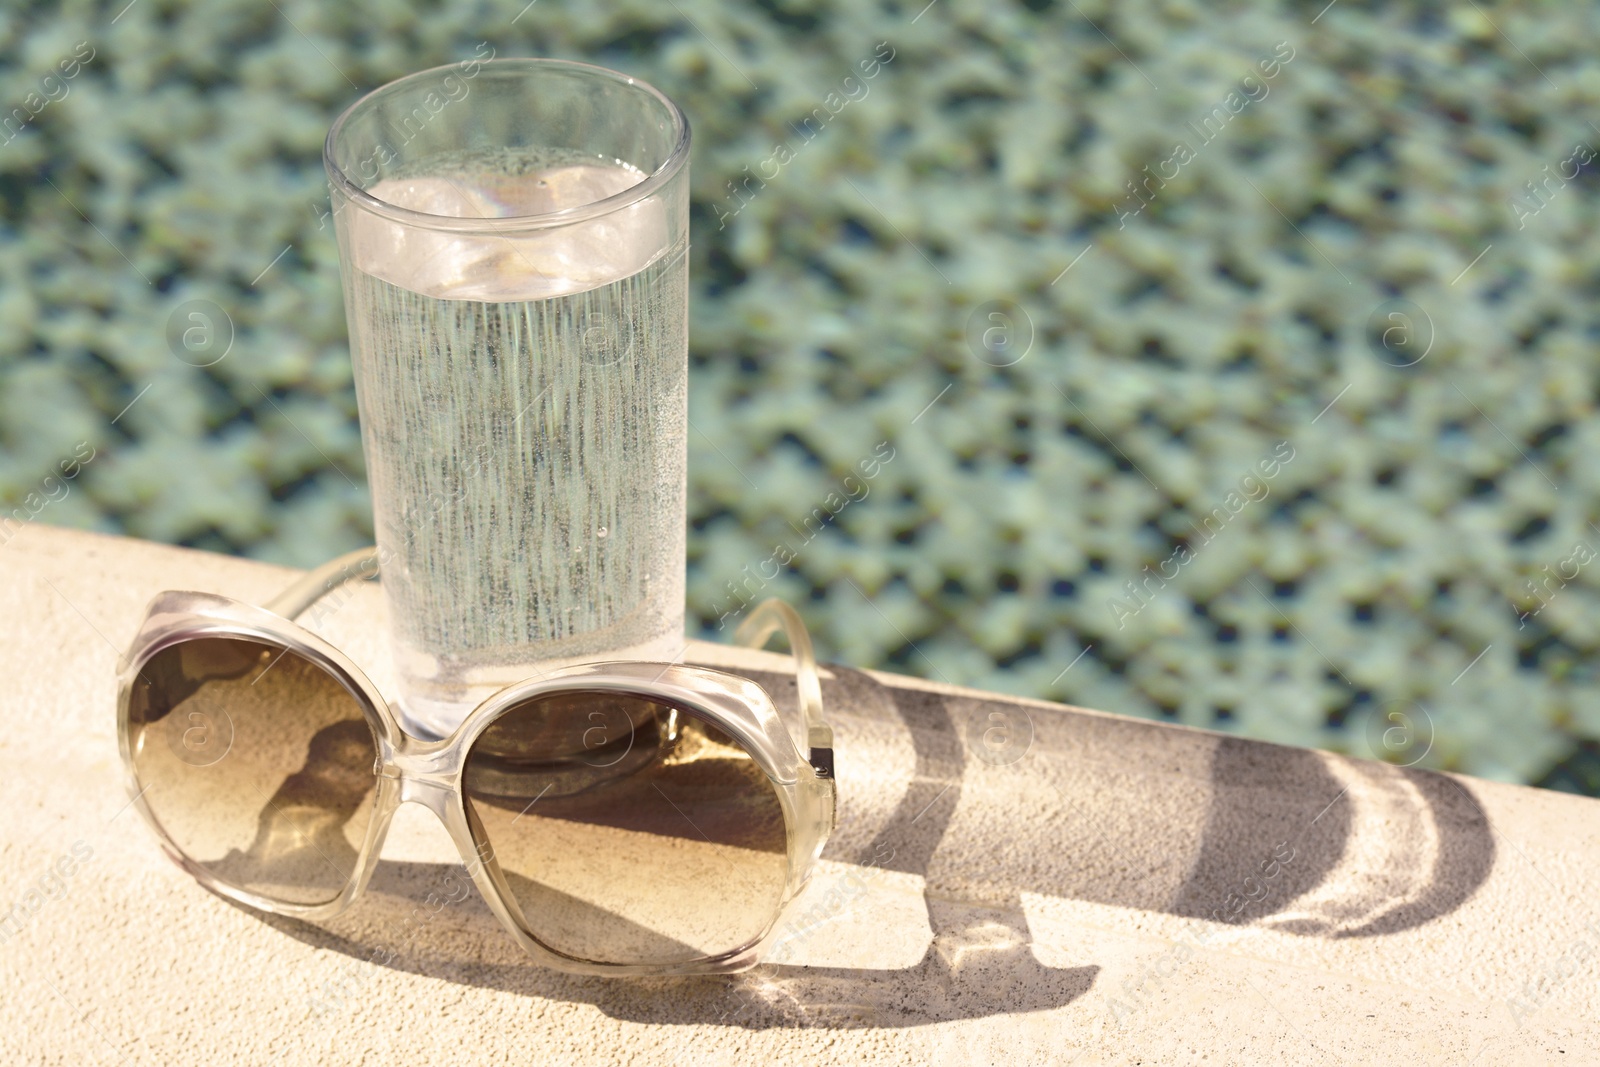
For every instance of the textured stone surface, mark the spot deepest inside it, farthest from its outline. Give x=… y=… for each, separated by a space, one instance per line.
x=1076 y=887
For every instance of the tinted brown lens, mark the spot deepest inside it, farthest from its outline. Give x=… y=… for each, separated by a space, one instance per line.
x=257 y=763
x=628 y=831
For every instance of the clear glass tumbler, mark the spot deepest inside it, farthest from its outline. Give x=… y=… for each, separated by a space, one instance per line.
x=513 y=237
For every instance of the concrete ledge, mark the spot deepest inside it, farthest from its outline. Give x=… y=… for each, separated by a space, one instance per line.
x=1012 y=881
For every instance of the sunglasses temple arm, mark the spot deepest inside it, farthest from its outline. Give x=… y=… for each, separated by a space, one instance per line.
x=313 y=586
x=768 y=618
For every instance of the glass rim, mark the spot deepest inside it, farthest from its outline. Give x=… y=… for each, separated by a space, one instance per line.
x=651 y=183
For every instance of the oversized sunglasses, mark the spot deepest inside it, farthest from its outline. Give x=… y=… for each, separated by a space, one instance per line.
x=618 y=818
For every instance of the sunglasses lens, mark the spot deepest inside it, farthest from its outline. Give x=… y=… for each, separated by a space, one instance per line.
x=257 y=763
x=627 y=830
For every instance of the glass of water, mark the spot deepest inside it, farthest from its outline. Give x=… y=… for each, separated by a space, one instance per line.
x=513 y=236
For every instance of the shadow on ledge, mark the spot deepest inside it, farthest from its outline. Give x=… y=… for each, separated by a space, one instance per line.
x=970 y=974
x=1070 y=805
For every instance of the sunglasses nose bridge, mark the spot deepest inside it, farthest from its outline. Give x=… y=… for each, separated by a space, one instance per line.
x=427 y=773
x=434 y=796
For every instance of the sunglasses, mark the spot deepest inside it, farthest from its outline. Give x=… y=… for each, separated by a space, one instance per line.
x=618 y=818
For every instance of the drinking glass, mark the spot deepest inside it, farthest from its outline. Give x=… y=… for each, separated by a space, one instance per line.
x=512 y=240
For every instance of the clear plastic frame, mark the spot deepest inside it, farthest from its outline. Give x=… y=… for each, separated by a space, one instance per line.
x=795 y=758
